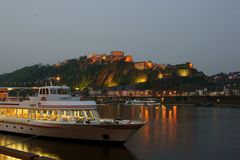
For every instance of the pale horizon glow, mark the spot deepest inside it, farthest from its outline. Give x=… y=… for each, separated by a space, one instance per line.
x=204 y=32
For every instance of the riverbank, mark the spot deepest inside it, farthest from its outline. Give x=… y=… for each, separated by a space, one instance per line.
x=232 y=101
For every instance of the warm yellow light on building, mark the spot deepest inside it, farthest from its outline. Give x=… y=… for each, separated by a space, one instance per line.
x=77 y=88
x=160 y=76
x=190 y=65
x=104 y=57
x=111 y=84
x=183 y=72
x=141 y=78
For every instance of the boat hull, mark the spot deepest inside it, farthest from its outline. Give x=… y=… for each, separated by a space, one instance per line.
x=93 y=132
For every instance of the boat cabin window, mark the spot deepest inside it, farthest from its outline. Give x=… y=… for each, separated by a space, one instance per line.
x=44 y=91
x=63 y=91
x=53 y=91
x=77 y=116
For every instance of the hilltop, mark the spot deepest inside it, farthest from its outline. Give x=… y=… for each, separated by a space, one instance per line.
x=114 y=71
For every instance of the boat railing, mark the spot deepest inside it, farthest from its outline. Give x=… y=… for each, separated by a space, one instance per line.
x=16 y=99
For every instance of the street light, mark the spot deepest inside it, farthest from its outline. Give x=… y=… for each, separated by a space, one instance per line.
x=58 y=78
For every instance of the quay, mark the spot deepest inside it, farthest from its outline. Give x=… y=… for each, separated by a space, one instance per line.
x=21 y=154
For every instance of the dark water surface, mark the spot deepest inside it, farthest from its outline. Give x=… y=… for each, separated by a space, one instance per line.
x=171 y=132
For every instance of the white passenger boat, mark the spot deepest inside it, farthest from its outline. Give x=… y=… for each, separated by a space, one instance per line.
x=53 y=112
x=142 y=103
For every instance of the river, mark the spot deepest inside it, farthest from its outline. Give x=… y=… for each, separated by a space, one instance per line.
x=170 y=132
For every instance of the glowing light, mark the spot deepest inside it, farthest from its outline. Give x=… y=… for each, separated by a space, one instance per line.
x=141 y=78
x=170 y=114
x=9 y=89
x=160 y=76
x=128 y=59
x=111 y=84
x=164 y=114
x=58 y=78
x=149 y=64
x=190 y=65
x=77 y=88
x=183 y=72
x=162 y=99
x=146 y=114
x=175 y=114
x=84 y=82
x=164 y=107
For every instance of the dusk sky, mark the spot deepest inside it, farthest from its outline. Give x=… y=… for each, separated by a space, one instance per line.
x=205 y=32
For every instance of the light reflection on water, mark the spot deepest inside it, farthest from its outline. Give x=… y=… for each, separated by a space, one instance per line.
x=170 y=132
x=175 y=132
x=15 y=142
x=66 y=150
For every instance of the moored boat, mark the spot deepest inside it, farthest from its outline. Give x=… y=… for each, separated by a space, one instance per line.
x=142 y=102
x=53 y=112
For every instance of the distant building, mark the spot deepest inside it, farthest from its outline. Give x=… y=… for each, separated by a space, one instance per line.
x=130 y=93
x=139 y=65
x=117 y=56
x=104 y=58
x=143 y=65
x=159 y=66
x=128 y=58
x=96 y=58
x=189 y=65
